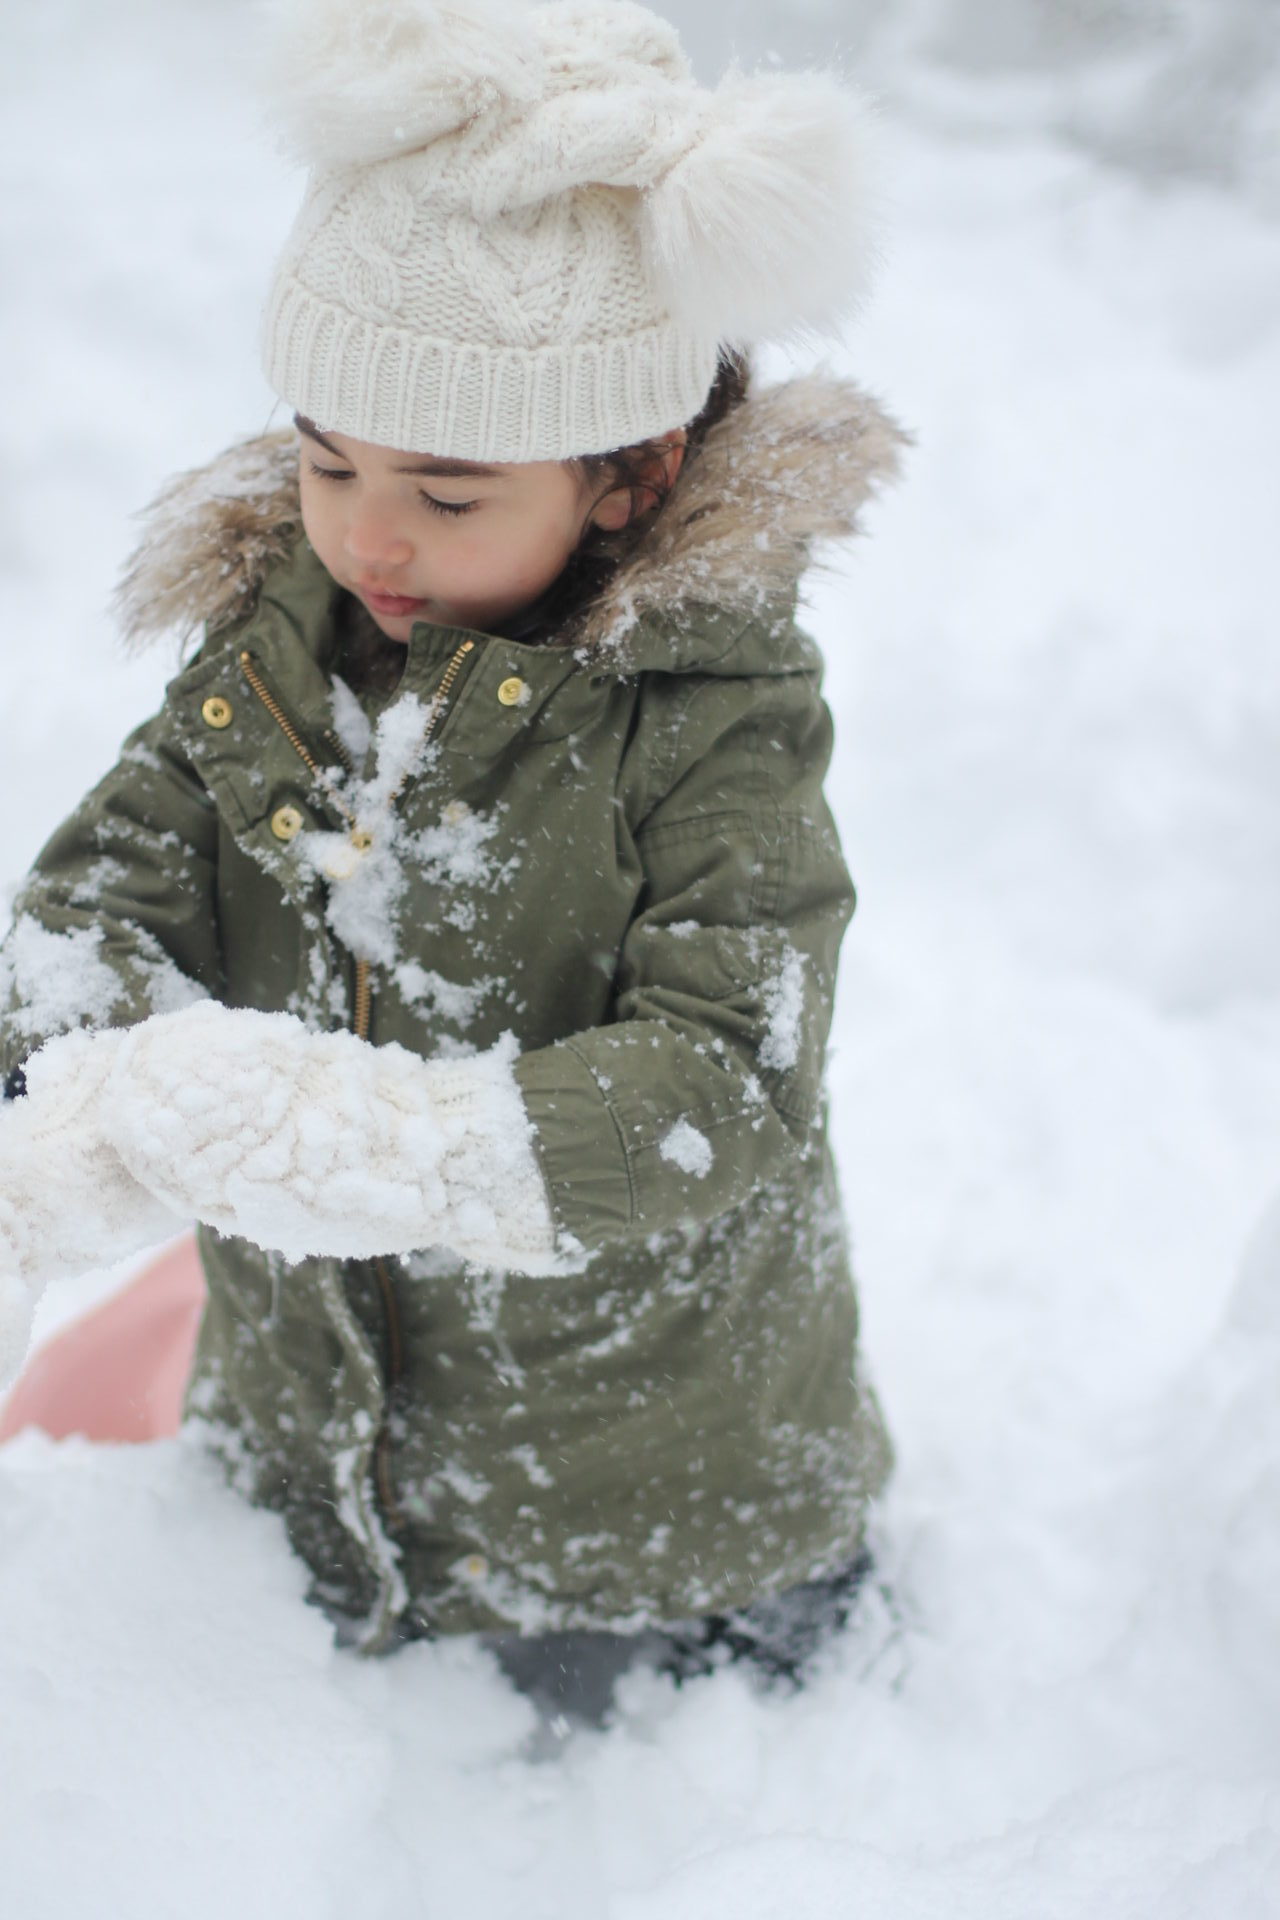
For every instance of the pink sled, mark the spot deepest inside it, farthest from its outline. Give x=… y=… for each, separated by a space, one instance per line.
x=118 y=1372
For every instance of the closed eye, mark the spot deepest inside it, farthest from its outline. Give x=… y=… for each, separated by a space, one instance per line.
x=428 y=499
x=446 y=506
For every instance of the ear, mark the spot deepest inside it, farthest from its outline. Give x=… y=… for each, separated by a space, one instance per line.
x=673 y=459
x=614 y=511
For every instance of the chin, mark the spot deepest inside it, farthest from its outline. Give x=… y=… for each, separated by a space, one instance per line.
x=395 y=627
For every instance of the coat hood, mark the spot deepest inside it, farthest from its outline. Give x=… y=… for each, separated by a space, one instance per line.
x=786 y=472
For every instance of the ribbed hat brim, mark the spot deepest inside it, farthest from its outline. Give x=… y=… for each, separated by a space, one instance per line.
x=396 y=388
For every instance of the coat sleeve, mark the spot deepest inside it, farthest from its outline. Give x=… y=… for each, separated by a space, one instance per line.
x=710 y=1076
x=117 y=918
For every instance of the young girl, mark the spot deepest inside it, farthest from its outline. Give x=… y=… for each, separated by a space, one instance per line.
x=457 y=943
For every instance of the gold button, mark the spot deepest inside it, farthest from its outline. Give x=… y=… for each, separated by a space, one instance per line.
x=286 y=823
x=341 y=862
x=216 y=712
x=344 y=856
x=475 y=1566
x=512 y=691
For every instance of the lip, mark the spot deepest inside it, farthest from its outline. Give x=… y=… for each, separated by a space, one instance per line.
x=388 y=603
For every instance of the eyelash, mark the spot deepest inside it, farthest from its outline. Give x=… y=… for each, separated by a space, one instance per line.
x=450 y=509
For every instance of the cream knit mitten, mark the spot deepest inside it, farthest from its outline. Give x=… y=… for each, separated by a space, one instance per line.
x=318 y=1143
x=67 y=1203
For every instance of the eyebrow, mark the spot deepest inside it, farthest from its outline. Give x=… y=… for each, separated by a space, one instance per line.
x=439 y=469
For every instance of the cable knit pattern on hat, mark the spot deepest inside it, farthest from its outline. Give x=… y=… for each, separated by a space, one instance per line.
x=528 y=241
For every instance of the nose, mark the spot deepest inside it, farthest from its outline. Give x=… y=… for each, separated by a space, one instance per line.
x=376 y=541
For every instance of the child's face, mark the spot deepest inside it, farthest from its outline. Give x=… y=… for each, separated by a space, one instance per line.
x=458 y=544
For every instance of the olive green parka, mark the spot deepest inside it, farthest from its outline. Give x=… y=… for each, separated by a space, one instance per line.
x=616 y=848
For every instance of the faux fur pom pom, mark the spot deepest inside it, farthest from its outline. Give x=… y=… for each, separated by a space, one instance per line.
x=353 y=81
x=766 y=227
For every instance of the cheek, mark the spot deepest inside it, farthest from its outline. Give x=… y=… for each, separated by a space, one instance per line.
x=317 y=518
x=506 y=556
x=541 y=550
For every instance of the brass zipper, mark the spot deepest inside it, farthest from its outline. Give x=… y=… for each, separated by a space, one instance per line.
x=361 y=1014
x=439 y=700
x=250 y=670
x=362 y=994
x=440 y=697
x=395 y=1372
x=363 y=997
x=363 y=991
x=395 y=1335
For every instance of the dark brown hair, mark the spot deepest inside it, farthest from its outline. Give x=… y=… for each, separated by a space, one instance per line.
x=633 y=468
x=638 y=470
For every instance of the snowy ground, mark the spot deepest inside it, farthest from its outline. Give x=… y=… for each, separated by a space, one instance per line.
x=1054 y=1077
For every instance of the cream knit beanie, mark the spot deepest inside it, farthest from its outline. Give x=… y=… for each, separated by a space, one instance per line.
x=527 y=230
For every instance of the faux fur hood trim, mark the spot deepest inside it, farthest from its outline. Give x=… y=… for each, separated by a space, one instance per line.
x=786 y=472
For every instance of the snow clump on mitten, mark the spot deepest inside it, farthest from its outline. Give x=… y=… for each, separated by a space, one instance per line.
x=309 y=1143
x=67 y=1205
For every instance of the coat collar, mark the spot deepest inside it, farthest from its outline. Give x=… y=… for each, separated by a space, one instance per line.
x=787 y=471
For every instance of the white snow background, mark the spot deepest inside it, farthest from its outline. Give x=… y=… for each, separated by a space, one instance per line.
x=1055 y=1062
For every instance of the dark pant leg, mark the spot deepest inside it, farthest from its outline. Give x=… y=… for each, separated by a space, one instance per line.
x=574 y=1673
x=778 y=1635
